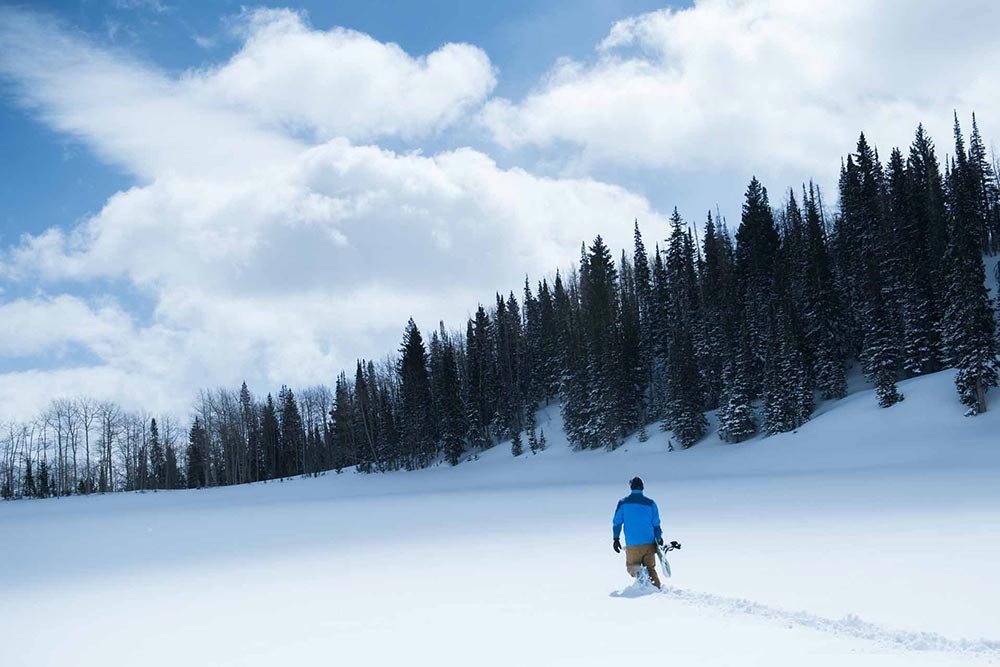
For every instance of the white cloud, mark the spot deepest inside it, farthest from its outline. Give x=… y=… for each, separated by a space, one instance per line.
x=46 y=324
x=266 y=256
x=343 y=83
x=754 y=84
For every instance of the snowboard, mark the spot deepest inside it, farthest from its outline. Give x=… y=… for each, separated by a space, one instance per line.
x=661 y=554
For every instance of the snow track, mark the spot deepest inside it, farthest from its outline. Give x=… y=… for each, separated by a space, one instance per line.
x=848 y=626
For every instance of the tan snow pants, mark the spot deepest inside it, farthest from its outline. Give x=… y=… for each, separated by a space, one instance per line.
x=642 y=555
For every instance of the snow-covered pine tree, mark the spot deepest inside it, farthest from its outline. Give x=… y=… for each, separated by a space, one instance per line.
x=549 y=366
x=600 y=312
x=757 y=244
x=532 y=431
x=969 y=326
x=716 y=339
x=920 y=343
x=630 y=373
x=880 y=355
x=684 y=415
x=644 y=297
x=822 y=309
x=574 y=403
x=787 y=388
x=737 y=420
x=516 y=444
x=659 y=333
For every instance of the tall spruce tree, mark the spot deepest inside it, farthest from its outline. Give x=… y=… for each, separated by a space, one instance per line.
x=197 y=451
x=824 y=327
x=415 y=399
x=157 y=458
x=969 y=327
x=684 y=414
x=448 y=397
x=757 y=244
x=737 y=420
x=293 y=435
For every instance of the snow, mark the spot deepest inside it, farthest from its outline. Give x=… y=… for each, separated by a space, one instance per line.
x=868 y=537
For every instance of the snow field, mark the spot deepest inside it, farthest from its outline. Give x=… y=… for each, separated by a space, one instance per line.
x=867 y=538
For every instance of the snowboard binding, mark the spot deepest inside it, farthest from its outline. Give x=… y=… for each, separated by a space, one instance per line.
x=673 y=545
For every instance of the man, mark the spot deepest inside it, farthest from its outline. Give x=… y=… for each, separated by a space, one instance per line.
x=641 y=519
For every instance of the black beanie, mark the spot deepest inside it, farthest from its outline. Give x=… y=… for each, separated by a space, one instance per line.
x=636 y=484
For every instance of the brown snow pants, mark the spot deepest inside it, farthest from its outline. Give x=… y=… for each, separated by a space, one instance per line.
x=643 y=555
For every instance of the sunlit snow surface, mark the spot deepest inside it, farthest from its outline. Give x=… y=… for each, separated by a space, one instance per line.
x=870 y=537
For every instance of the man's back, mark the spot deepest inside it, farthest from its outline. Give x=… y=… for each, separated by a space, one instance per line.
x=640 y=517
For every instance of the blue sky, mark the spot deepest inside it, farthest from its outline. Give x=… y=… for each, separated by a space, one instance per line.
x=186 y=183
x=53 y=180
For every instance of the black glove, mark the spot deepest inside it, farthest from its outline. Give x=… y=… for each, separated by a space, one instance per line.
x=617 y=545
x=659 y=540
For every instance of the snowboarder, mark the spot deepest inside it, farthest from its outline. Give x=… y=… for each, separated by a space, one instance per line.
x=641 y=519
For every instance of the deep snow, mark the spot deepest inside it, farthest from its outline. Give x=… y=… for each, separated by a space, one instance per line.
x=869 y=537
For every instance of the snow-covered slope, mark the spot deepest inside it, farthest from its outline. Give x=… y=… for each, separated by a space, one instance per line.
x=869 y=537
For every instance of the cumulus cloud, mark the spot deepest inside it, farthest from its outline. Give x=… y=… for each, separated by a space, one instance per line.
x=753 y=83
x=267 y=254
x=343 y=83
x=46 y=324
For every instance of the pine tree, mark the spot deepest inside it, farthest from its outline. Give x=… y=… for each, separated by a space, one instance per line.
x=600 y=313
x=716 y=337
x=157 y=458
x=196 y=455
x=516 y=444
x=415 y=397
x=969 y=327
x=532 y=434
x=683 y=414
x=757 y=244
x=880 y=356
x=824 y=327
x=345 y=447
x=45 y=485
x=270 y=441
x=447 y=395
x=293 y=436
x=174 y=479
x=645 y=307
x=737 y=420
x=480 y=386
x=541 y=441
x=30 y=490
x=549 y=369
x=787 y=394
x=574 y=382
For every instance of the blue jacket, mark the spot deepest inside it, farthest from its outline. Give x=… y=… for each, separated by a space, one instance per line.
x=640 y=517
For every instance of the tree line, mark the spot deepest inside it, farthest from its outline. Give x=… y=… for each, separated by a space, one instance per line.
x=757 y=325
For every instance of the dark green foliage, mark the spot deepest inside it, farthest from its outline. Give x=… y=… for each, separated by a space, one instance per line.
x=757 y=245
x=516 y=444
x=415 y=425
x=969 y=328
x=197 y=455
x=157 y=459
x=737 y=420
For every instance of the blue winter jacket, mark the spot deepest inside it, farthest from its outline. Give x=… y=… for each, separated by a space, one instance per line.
x=640 y=517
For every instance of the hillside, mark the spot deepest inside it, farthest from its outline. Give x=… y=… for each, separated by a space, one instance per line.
x=867 y=535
